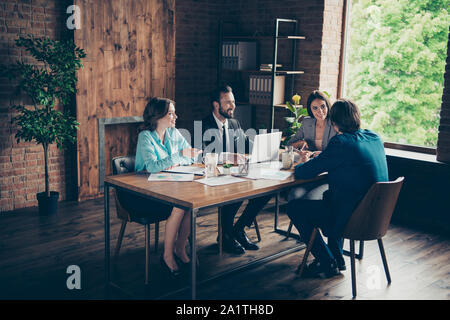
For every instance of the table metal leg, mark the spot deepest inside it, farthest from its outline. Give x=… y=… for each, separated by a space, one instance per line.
x=193 y=254
x=107 y=235
x=220 y=231
x=277 y=210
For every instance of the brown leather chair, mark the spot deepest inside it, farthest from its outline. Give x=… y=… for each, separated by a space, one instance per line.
x=121 y=165
x=369 y=221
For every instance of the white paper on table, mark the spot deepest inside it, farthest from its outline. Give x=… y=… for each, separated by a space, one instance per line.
x=234 y=170
x=165 y=176
x=269 y=174
x=219 y=181
x=187 y=169
x=276 y=165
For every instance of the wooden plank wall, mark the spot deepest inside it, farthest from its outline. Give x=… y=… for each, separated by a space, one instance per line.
x=130 y=46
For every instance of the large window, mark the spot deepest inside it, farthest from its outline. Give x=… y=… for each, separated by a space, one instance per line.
x=395 y=63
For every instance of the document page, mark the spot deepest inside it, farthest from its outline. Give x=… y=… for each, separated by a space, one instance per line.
x=165 y=176
x=220 y=181
x=269 y=174
x=186 y=169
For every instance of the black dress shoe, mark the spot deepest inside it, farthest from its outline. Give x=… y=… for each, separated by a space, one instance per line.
x=230 y=245
x=316 y=269
x=242 y=238
x=341 y=266
x=185 y=265
x=180 y=262
x=174 y=274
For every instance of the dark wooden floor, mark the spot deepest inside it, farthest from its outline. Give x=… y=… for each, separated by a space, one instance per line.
x=36 y=251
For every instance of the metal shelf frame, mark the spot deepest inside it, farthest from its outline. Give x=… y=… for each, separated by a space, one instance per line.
x=276 y=37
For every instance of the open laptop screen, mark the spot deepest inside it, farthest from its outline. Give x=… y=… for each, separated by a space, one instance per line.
x=265 y=147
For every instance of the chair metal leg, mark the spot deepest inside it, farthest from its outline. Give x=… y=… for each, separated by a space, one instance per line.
x=361 y=250
x=156 y=236
x=383 y=257
x=352 y=259
x=119 y=239
x=255 y=223
x=288 y=233
x=359 y=255
x=301 y=267
x=147 y=252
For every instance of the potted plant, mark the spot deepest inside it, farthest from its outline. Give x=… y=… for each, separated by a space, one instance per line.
x=295 y=121
x=227 y=168
x=49 y=83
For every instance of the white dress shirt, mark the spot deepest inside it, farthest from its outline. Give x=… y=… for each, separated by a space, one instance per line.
x=221 y=124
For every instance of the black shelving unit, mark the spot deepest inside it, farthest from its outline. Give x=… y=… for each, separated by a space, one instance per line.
x=290 y=74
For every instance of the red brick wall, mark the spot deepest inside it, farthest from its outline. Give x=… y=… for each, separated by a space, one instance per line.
x=22 y=164
x=196 y=58
x=331 y=46
x=443 y=145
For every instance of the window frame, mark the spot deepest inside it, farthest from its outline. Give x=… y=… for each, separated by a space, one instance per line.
x=341 y=82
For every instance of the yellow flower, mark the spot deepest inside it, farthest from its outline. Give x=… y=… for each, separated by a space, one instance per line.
x=296 y=99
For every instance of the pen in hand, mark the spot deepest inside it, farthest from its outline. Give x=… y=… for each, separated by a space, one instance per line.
x=303 y=147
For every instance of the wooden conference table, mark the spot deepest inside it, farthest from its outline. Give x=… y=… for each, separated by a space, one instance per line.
x=191 y=196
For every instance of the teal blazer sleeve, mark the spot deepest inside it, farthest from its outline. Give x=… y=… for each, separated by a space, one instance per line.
x=153 y=157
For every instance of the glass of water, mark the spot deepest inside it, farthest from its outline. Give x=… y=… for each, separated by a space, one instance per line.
x=243 y=163
x=211 y=160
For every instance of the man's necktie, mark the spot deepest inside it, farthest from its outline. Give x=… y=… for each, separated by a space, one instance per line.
x=224 y=139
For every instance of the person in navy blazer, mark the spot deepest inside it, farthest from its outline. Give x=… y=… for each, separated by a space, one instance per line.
x=354 y=159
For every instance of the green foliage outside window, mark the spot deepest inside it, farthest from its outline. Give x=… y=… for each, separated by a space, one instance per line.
x=395 y=66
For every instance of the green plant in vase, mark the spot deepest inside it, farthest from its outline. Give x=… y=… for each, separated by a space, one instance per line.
x=49 y=83
x=295 y=121
x=227 y=168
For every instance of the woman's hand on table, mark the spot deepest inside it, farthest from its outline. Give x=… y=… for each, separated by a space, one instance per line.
x=300 y=145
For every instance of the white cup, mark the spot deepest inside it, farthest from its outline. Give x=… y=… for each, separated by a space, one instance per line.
x=211 y=160
x=243 y=165
x=286 y=160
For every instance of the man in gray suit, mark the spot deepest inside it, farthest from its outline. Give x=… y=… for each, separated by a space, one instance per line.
x=229 y=137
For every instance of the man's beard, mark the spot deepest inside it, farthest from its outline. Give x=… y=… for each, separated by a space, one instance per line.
x=225 y=114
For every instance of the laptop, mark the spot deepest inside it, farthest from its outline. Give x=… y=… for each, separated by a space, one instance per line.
x=265 y=147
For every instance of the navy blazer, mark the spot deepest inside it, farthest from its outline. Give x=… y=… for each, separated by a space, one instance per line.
x=307 y=132
x=354 y=162
x=241 y=143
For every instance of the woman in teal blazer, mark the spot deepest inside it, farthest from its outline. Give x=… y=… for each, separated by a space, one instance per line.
x=161 y=146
